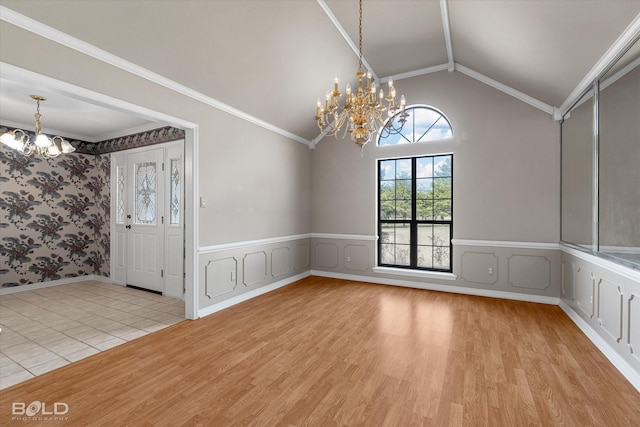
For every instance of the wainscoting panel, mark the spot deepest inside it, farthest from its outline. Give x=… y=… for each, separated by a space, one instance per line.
x=220 y=277
x=532 y=270
x=228 y=271
x=610 y=303
x=280 y=262
x=301 y=257
x=479 y=267
x=567 y=280
x=529 y=271
x=614 y=292
x=326 y=255
x=254 y=266
x=585 y=290
x=633 y=333
x=356 y=257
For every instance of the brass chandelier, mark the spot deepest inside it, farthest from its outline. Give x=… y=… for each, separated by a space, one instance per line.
x=41 y=144
x=362 y=110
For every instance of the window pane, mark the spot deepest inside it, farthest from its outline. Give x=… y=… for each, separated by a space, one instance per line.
x=387 y=190
x=120 y=195
x=403 y=233
x=388 y=233
x=442 y=188
x=403 y=189
x=441 y=257
x=442 y=166
x=403 y=209
x=403 y=169
x=441 y=130
x=424 y=188
x=387 y=209
x=424 y=167
x=425 y=234
x=442 y=210
x=387 y=254
x=174 y=195
x=423 y=124
x=387 y=169
x=425 y=210
x=403 y=255
x=145 y=199
x=441 y=235
x=425 y=256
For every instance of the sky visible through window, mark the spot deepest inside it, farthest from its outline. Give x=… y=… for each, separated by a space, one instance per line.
x=423 y=124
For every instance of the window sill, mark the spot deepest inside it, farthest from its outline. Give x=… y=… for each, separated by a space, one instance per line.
x=415 y=273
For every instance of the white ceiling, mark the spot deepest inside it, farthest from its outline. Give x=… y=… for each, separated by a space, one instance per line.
x=272 y=59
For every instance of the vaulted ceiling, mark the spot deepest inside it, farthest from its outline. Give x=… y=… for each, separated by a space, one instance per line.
x=271 y=59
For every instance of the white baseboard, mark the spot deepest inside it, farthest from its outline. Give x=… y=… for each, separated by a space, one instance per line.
x=443 y=288
x=48 y=284
x=251 y=294
x=622 y=365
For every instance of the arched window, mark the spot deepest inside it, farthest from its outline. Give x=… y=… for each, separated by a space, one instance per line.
x=423 y=124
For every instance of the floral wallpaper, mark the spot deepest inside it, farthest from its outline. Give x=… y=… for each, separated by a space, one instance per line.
x=55 y=217
x=55 y=212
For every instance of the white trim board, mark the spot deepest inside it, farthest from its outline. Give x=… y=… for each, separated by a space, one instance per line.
x=51 y=283
x=251 y=294
x=603 y=263
x=441 y=288
x=78 y=45
x=621 y=365
x=235 y=245
x=505 y=244
x=631 y=33
x=444 y=10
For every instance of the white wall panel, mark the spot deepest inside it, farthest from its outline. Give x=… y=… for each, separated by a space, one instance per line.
x=280 y=261
x=610 y=301
x=529 y=271
x=220 y=277
x=584 y=290
x=254 y=268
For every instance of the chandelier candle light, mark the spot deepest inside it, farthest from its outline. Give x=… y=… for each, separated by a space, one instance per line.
x=362 y=110
x=43 y=145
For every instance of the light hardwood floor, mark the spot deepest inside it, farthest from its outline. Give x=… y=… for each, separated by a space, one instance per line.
x=324 y=352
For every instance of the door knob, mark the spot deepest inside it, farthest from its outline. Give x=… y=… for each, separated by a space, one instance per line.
x=128 y=227
x=129 y=216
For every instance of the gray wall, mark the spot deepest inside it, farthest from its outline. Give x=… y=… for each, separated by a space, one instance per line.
x=256 y=183
x=506 y=166
x=506 y=188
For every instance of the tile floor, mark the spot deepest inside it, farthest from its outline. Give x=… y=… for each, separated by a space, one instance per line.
x=48 y=328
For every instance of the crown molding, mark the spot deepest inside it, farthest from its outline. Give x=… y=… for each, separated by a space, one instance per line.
x=618 y=48
x=78 y=45
x=344 y=35
x=506 y=89
x=444 y=9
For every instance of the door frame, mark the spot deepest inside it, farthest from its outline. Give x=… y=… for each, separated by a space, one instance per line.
x=122 y=158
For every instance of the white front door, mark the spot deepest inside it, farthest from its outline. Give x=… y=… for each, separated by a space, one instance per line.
x=145 y=219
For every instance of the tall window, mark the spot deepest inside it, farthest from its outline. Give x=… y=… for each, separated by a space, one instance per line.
x=415 y=221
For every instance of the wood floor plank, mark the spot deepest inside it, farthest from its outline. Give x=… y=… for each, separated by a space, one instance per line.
x=325 y=352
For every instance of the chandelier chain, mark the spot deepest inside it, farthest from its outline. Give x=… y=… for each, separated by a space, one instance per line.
x=360 y=114
x=360 y=35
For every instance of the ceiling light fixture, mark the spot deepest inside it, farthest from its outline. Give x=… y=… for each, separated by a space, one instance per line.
x=362 y=110
x=41 y=144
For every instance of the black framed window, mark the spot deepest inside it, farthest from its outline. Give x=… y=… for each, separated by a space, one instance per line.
x=415 y=212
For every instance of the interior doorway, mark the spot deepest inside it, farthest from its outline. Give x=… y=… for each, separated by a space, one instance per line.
x=147 y=218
